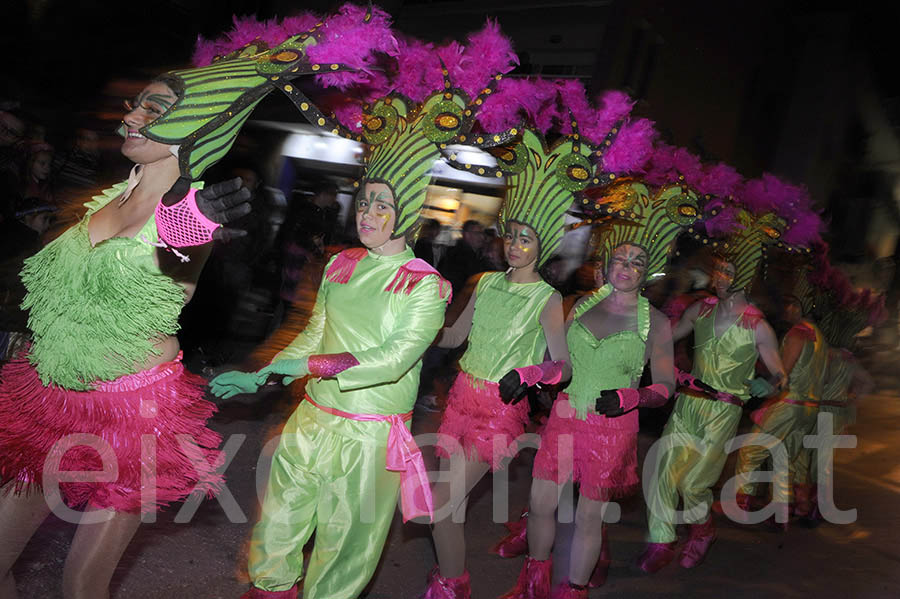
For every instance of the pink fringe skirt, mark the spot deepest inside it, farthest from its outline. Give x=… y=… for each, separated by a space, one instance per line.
x=148 y=428
x=483 y=426
x=602 y=460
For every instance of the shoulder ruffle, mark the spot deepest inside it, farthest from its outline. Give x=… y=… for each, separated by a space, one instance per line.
x=751 y=317
x=105 y=197
x=409 y=275
x=804 y=331
x=707 y=306
x=344 y=264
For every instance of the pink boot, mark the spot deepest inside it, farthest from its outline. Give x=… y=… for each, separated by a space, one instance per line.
x=702 y=536
x=257 y=593
x=567 y=591
x=656 y=557
x=533 y=582
x=447 y=588
x=601 y=570
x=802 y=500
x=516 y=542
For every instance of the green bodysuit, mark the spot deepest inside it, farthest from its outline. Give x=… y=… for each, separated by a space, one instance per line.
x=700 y=427
x=835 y=401
x=96 y=311
x=328 y=474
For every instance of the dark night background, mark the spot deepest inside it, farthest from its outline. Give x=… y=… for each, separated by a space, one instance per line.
x=805 y=90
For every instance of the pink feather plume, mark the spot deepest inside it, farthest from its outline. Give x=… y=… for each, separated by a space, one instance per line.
x=519 y=100
x=631 y=149
x=344 y=38
x=719 y=180
x=668 y=162
x=347 y=38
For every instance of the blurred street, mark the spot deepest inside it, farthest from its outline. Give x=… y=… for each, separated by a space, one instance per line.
x=206 y=558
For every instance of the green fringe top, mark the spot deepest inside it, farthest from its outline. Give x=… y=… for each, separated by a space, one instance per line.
x=97 y=312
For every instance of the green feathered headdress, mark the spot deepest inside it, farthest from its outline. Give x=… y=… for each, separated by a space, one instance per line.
x=649 y=221
x=405 y=138
x=746 y=248
x=237 y=72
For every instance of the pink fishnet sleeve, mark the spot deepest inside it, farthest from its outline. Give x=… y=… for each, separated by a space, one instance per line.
x=182 y=224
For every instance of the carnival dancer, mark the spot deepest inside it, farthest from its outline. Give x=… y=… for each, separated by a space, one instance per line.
x=790 y=416
x=102 y=387
x=843 y=314
x=335 y=471
x=591 y=437
x=730 y=334
x=514 y=320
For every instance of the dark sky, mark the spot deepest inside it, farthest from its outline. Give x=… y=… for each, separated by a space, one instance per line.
x=61 y=53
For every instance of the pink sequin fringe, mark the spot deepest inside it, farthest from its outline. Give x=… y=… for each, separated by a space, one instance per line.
x=160 y=412
x=602 y=460
x=476 y=417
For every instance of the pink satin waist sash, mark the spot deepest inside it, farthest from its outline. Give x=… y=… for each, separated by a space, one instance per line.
x=403 y=456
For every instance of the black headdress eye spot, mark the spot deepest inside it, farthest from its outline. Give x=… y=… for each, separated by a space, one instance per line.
x=443 y=121
x=574 y=172
x=510 y=159
x=682 y=208
x=379 y=123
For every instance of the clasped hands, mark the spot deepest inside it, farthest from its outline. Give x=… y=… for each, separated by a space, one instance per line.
x=758 y=387
x=235 y=382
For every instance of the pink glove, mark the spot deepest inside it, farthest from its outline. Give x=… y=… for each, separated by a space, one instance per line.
x=325 y=366
x=652 y=396
x=549 y=373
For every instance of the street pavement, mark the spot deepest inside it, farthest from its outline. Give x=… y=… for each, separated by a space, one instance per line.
x=205 y=558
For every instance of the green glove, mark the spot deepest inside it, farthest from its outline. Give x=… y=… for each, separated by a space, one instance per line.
x=234 y=382
x=760 y=387
x=290 y=369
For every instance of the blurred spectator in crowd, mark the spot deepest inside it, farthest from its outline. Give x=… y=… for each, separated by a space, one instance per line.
x=12 y=134
x=36 y=181
x=208 y=321
x=317 y=212
x=493 y=251
x=425 y=243
x=554 y=272
x=464 y=259
x=302 y=243
x=20 y=237
x=76 y=167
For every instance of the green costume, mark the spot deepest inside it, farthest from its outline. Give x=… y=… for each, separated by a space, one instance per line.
x=792 y=415
x=507 y=315
x=328 y=473
x=602 y=451
x=835 y=401
x=724 y=363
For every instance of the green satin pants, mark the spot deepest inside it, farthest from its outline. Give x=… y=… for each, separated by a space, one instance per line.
x=805 y=469
x=699 y=429
x=785 y=423
x=327 y=476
